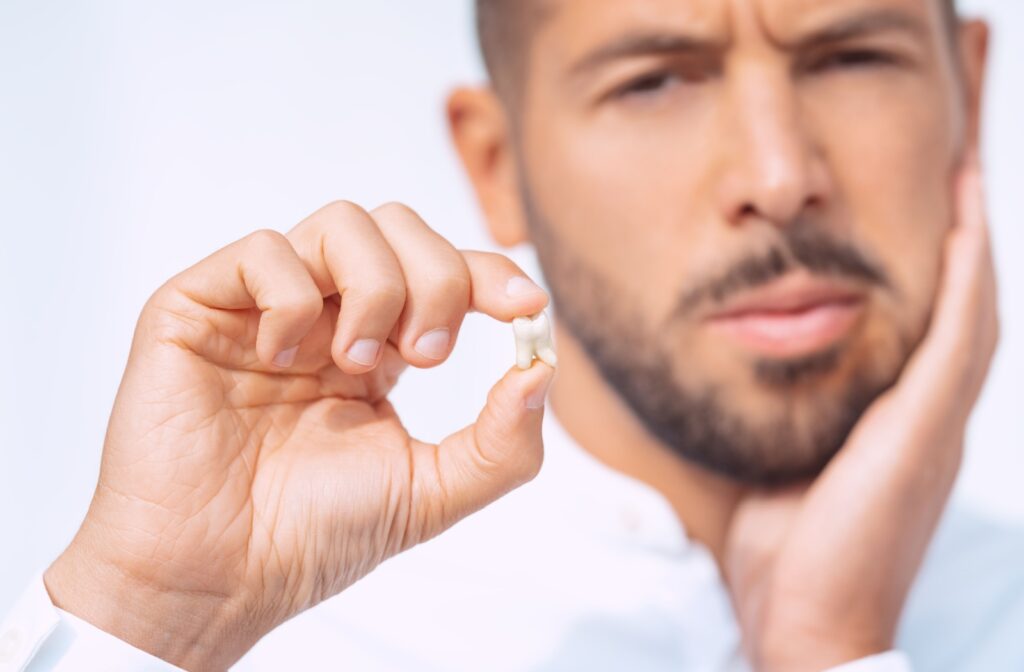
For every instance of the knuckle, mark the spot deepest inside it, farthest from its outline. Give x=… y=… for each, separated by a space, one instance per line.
x=396 y=209
x=170 y=317
x=338 y=214
x=328 y=225
x=382 y=296
x=168 y=298
x=452 y=287
x=163 y=294
x=334 y=215
x=265 y=239
x=302 y=305
x=342 y=209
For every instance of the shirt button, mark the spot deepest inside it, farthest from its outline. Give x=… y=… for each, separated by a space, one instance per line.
x=10 y=643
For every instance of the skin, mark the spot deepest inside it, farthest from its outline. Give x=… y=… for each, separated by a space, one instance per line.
x=720 y=152
x=244 y=481
x=724 y=149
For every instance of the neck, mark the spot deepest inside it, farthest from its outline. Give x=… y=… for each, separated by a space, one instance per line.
x=595 y=416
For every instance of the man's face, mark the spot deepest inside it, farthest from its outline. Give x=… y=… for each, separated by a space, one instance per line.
x=740 y=206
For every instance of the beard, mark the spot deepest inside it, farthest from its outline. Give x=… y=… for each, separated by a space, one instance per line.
x=702 y=423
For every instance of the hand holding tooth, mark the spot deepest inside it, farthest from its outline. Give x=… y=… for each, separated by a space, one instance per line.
x=253 y=465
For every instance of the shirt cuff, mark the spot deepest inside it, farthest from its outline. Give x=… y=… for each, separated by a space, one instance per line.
x=38 y=636
x=890 y=661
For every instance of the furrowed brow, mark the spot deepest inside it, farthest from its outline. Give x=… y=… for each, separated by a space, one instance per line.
x=641 y=44
x=861 y=25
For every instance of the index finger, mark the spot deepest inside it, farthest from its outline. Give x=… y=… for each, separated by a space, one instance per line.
x=500 y=289
x=259 y=271
x=950 y=365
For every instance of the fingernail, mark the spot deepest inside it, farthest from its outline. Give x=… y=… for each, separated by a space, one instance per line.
x=535 y=400
x=434 y=344
x=519 y=286
x=364 y=351
x=286 y=358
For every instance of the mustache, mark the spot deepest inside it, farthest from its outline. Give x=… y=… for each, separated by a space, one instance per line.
x=803 y=246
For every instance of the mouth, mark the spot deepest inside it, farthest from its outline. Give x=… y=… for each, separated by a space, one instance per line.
x=795 y=316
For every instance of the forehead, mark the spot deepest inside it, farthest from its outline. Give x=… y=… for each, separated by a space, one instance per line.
x=572 y=26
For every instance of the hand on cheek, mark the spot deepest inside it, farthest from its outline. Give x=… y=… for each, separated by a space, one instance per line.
x=819 y=574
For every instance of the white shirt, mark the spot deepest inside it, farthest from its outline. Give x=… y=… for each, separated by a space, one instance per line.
x=581 y=569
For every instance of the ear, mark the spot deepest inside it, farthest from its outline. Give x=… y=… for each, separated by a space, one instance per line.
x=974 y=43
x=480 y=129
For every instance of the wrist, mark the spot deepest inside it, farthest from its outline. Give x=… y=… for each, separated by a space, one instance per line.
x=823 y=656
x=191 y=630
x=804 y=652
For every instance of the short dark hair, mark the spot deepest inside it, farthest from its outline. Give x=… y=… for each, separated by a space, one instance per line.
x=503 y=31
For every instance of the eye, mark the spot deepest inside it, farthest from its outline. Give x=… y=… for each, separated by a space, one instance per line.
x=647 y=85
x=854 y=59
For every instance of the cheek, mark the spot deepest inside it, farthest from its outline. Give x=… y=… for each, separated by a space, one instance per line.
x=892 y=178
x=907 y=238
x=624 y=200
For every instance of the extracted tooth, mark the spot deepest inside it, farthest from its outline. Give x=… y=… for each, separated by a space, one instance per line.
x=524 y=341
x=533 y=339
x=547 y=355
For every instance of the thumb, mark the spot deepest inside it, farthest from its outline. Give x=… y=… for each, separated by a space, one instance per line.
x=500 y=451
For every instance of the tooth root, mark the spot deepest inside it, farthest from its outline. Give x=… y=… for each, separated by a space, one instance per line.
x=524 y=359
x=547 y=355
x=533 y=339
x=521 y=326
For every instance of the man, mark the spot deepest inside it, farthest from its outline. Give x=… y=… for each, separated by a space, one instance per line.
x=762 y=224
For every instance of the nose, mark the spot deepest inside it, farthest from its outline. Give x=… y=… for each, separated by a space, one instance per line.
x=772 y=170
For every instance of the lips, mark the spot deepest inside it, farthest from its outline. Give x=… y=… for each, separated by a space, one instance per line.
x=797 y=315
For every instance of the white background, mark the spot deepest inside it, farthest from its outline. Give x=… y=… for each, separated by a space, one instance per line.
x=136 y=137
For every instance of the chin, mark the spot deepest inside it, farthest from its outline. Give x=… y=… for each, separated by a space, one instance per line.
x=777 y=422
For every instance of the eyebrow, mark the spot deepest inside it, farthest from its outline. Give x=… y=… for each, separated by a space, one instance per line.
x=647 y=43
x=653 y=43
x=859 y=25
